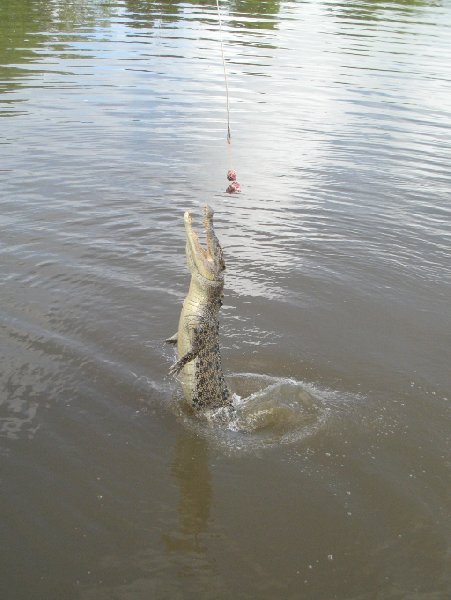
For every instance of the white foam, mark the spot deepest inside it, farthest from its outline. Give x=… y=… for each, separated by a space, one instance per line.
x=268 y=411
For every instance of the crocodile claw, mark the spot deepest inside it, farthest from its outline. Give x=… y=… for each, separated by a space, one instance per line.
x=175 y=369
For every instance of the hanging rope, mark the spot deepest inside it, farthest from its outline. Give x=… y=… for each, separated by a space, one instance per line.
x=229 y=135
x=234 y=186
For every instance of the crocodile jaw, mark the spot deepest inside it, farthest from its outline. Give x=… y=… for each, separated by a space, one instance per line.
x=206 y=262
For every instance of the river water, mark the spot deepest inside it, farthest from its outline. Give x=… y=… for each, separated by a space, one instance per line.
x=336 y=326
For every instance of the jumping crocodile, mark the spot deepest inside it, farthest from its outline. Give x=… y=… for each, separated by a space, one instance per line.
x=197 y=339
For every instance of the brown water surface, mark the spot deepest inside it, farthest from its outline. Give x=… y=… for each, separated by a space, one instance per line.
x=334 y=483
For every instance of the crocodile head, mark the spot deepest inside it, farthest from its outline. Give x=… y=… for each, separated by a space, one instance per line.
x=208 y=263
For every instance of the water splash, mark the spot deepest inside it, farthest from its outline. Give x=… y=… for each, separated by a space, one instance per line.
x=267 y=411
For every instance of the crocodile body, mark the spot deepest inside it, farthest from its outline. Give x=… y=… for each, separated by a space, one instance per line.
x=199 y=359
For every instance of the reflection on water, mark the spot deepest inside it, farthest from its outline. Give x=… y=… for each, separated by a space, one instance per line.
x=145 y=14
x=375 y=10
x=333 y=482
x=190 y=470
x=38 y=31
x=32 y=32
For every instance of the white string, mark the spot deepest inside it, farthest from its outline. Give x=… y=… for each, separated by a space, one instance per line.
x=229 y=135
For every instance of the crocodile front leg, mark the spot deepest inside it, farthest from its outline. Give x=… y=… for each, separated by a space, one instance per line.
x=196 y=346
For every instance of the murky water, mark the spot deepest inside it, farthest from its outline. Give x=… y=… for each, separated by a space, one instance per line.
x=335 y=482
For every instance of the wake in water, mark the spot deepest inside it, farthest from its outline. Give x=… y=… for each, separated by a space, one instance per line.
x=267 y=411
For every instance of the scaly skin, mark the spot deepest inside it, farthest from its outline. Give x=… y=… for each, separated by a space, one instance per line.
x=199 y=359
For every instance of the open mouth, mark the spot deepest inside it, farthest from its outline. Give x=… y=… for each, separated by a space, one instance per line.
x=209 y=261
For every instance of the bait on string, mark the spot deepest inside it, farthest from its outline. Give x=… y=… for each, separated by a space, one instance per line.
x=234 y=186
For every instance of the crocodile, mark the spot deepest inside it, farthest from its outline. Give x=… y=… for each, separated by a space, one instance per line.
x=199 y=359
